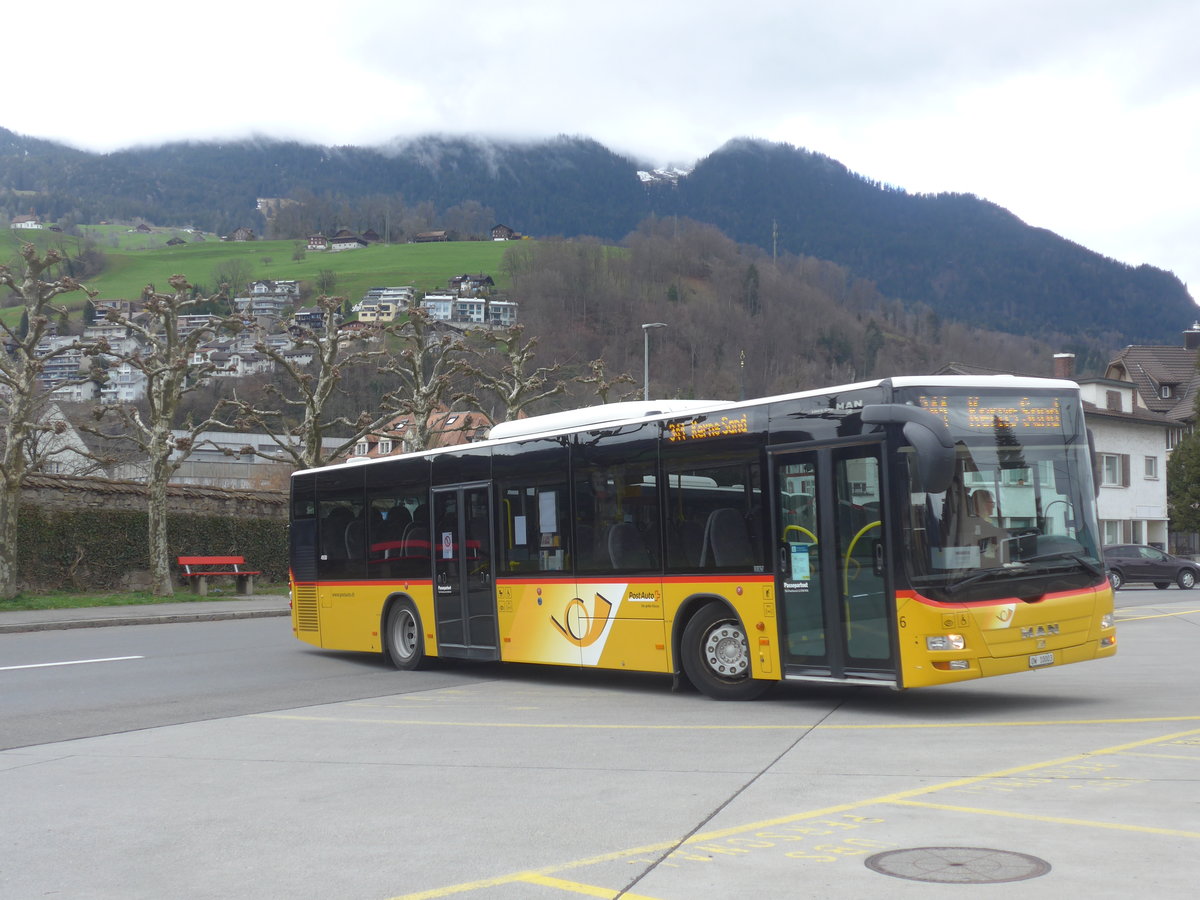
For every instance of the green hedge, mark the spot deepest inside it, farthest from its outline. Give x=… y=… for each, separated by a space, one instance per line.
x=85 y=550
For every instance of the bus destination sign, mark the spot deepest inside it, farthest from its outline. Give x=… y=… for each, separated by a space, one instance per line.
x=698 y=429
x=973 y=412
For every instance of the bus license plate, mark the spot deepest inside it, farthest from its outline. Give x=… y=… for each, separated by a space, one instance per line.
x=1041 y=659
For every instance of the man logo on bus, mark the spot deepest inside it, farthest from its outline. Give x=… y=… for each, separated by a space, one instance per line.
x=582 y=628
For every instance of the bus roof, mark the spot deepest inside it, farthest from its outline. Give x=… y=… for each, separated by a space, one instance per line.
x=633 y=411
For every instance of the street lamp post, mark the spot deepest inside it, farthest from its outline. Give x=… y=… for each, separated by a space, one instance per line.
x=646 y=370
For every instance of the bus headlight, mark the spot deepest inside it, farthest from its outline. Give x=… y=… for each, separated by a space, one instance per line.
x=1107 y=620
x=944 y=642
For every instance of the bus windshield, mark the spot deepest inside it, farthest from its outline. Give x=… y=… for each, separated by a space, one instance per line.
x=1017 y=520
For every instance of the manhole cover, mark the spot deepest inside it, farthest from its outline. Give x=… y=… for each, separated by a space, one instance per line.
x=958 y=865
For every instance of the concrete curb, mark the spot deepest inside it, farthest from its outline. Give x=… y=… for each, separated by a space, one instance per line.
x=157 y=619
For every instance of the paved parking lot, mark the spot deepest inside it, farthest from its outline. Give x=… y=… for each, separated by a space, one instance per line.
x=530 y=783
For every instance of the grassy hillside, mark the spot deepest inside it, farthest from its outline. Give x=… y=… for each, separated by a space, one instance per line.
x=135 y=260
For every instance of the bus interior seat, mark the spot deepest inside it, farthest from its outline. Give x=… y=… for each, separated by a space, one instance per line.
x=356 y=538
x=626 y=548
x=333 y=532
x=726 y=540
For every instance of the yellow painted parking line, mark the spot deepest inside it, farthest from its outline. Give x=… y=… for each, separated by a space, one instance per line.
x=1182 y=612
x=587 y=890
x=1193 y=758
x=532 y=876
x=588 y=726
x=897 y=798
x=1050 y=820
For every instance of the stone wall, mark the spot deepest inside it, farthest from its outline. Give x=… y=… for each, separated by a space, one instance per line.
x=69 y=492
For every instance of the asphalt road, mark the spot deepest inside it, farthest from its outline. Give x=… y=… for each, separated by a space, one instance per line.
x=297 y=774
x=61 y=685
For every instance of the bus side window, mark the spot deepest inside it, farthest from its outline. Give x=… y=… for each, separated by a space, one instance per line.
x=532 y=507
x=616 y=509
x=713 y=512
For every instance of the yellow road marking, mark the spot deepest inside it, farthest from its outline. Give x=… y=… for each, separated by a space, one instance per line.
x=585 y=726
x=1194 y=758
x=1052 y=820
x=587 y=890
x=1185 y=612
x=897 y=798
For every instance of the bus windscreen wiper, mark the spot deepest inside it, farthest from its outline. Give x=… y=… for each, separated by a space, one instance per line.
x=1007 y=570
x=1086 y=563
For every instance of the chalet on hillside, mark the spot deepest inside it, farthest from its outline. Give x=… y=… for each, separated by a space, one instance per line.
x=318 y=242
x=25 y=222
x=472 y=285
x=427 y=237
x=346 y=242
x=242 y=234
x=142 y=228
x=371 y=236
x=504 y=233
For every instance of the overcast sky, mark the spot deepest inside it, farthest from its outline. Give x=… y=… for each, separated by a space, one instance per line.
x=1081 y=116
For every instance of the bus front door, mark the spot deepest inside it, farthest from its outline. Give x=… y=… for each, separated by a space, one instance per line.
x=836 y=619
x=464 y=598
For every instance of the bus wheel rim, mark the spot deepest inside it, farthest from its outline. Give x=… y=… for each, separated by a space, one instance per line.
x=405 y=633
x=726 y=651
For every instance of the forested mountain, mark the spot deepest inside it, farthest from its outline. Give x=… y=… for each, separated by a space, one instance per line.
x=964 y=258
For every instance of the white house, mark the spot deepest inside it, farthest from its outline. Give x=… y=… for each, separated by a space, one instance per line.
x=1131 y=450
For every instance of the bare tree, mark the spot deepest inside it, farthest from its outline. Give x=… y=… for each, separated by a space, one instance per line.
x=165 y=356
x=429 y=365
x=512 y=384
x=23 y=391
x=233 y=275
x=312 y=370
x=603 y=384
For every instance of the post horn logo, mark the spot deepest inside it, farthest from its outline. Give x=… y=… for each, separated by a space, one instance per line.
x=583 y=628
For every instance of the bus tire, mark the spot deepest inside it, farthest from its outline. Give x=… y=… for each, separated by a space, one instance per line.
x=405 y=640
x=716 y=655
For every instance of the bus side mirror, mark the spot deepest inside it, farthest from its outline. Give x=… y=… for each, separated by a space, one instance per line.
x=929 y=437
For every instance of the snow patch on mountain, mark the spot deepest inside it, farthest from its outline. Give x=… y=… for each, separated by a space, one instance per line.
x=669 y=175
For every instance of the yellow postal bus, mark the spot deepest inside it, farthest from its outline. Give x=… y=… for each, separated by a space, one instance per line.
x=903 y=532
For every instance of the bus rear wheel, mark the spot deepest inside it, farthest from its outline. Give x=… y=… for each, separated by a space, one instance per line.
x=716 y=655
x=405 y=642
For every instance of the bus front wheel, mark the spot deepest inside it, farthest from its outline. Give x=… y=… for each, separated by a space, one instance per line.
x=716 y=655
x=405 y=643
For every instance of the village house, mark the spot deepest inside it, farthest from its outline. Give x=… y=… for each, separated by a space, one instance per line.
x=346 y=242
x=30 y=222
x=472 y=285
x=504 y=233
x=448 y=428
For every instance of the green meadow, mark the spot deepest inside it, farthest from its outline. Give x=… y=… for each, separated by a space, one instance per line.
x=136 y=260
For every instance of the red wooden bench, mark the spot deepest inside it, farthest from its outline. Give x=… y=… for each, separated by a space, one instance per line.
x=197 y=570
